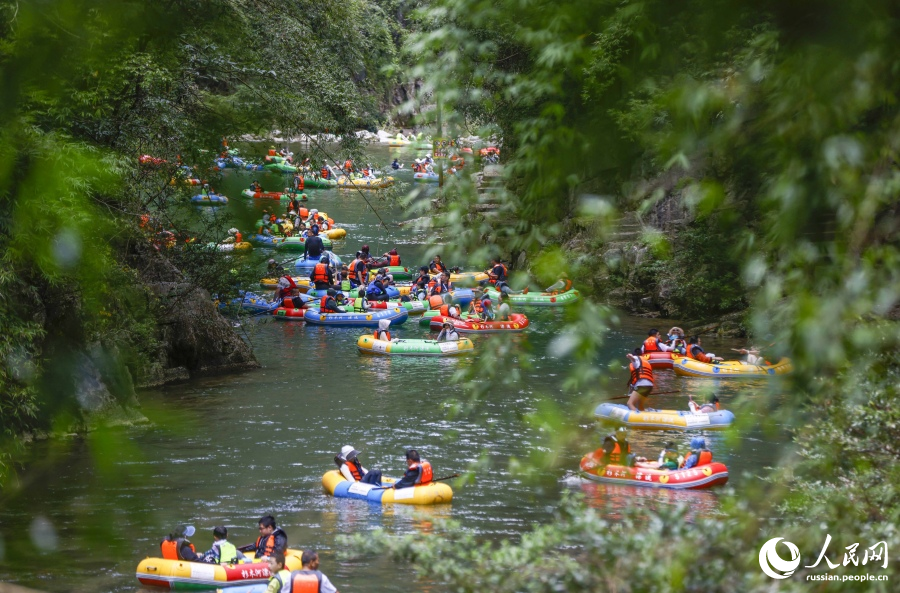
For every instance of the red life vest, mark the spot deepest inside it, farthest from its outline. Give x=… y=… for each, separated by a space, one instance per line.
x=645 y=372
x=306 y=581
x=650 y=345
x=476 y=304
x=320 y=273
x=393 y=260
x=300 y=183
x=324 y=172
x=348 y=165
x=171 y=549
x=383 y=335
x=272 y=152
x=704 y=458
x=435 y=302
x=238 y=237
x=426 y=475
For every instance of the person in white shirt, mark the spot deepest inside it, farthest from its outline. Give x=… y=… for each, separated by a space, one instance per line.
x=353 y=470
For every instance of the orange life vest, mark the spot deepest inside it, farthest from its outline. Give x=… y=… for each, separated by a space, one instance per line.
x=699 y=355
x=320 y=273
x=704 y=458
x=393 y=260
x=324 y=172
x=505 y=274
x=348 y=165
x=171 y=548
x=323 y=308
x=645 y=372
x=427 y=474
x=272 y=152
x=270 y=544
x=650 y=345
x=616 y=455
x=445 y=310
x=306 y=581
x=304 y=212
x=355 y=470
x=476 y=304
x=300 y=183
x=435 y=302
x=238 y=237
x=383 y=335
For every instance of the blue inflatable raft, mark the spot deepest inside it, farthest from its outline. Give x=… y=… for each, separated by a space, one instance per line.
x=663 y=419
x=210 y=200
x=306 y=265
x=370 y=318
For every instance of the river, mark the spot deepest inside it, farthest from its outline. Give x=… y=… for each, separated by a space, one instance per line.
x=226 y=450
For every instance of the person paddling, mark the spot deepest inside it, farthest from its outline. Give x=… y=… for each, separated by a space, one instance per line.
x=418 y=471
x=641 y=383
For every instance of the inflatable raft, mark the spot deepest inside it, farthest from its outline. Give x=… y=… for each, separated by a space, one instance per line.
x=663 y=419
x=468 y=279
x=378 y=183
x=729 y=368
x=661 y=360
x=265 y=195
x=241 y=247
x=392 y=294
x=252 y=302
x=539 y=299
x=210 y=200
x=182 y=575
x=289 y=313
x=427 y=177
x=283 y=167
x=369 y=345
x=398 y=272
x=339 y=487
x=696 y=478
x=396 y=315
x=299 y=243
x=334 y=234
x=516 y=323
x=311 y=182
x=427 y=316
x=307 y=265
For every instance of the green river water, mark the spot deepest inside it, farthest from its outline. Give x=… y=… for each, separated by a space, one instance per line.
x=226 y=450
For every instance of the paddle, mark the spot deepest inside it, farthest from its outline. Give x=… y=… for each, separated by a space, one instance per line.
x=654 y=393
x=434 y=480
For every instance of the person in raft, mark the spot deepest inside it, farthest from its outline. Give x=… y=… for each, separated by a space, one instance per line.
x=616 y=450
x=654 y=344
x=700 y=455
x=669 y=458
x=383 y=332
x=222 y=551
x=708 y=408
x=418 y=471
x=279 y=575
x=448 y=333
x=641 y=382
x=677 y=341
x=271 y=539
x=695 y=351
x=437 y=266
x=752 y=355
x=310 y=579
x=352 y=469
x=561 y=285
x=176 y=546
x=503 y=310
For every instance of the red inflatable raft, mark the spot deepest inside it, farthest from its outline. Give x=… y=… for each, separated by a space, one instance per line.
x=516 y=323
x=696 y=478
x=661 y=360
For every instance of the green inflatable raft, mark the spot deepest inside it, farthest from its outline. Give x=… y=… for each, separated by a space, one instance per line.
x=538 y=299
x=299 y=243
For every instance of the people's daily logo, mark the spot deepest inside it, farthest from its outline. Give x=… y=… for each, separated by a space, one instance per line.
x=781 y=565
x=772 y=564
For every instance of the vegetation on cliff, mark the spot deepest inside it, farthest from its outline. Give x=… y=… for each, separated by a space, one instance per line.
x=775 y=127
x=85 y=299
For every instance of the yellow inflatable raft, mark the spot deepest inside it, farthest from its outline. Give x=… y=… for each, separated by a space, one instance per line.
x=379 y=183
x=729 y=369
x=432 y=493
x=184 y=575
x=335 y=234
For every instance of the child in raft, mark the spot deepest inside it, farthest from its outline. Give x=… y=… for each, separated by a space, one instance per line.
x=708 y=408
x=669 y=459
